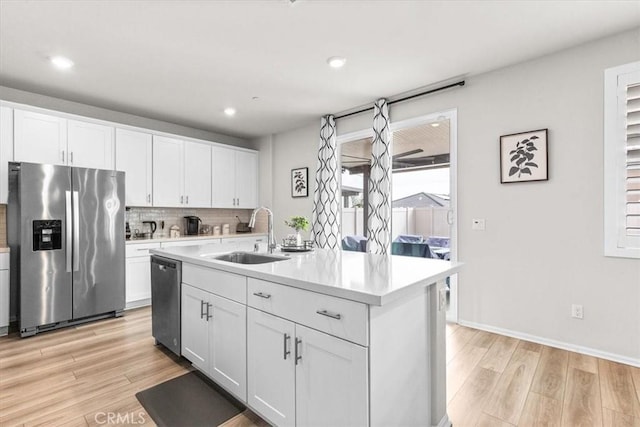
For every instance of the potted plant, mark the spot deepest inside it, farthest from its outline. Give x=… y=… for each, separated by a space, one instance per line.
x=298 y=223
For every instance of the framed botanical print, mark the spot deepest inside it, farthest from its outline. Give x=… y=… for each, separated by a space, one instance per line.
x=300 y=182
x=524 y=157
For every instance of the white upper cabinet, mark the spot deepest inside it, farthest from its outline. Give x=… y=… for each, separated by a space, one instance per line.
x=197 y=175
x=134 y=157
x=223 y=188
x=43 y=138
x=246 y=180
x=90 y=145
x=6 y=150
x=40 y=138
x=168 y=172
x=234 y=178
x=181 y=173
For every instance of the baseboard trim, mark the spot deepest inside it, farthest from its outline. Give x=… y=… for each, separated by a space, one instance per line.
x=553 y=343
x=137 y=304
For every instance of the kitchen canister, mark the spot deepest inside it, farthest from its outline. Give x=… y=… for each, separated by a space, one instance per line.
x=174 y=231
x=225 y=228
x=216 y=230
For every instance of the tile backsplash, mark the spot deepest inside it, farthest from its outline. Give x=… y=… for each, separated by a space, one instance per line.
x=172 y=216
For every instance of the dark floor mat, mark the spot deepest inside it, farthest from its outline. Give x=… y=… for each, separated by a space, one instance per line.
x=191 y=400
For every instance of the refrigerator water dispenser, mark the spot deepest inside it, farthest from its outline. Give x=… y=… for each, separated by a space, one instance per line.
x=47 y=235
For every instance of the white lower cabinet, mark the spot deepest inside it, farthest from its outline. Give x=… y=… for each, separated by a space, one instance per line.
x=270 y=367
x=4 y=293
x=300 y=376
x=138 y=274
x=214 y=338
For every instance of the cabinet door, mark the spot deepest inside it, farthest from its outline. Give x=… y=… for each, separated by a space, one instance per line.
x=228 y=345
x=134 y=157
x=39 y=138
x=195 y=327
x=4 y=298
x=168 y=173
x=6 y=150
x=223 y=176
x=138 y=279
x=197 y=175
x=90 y=145
x=246 y=180
x=270 y=367
x=331 y=373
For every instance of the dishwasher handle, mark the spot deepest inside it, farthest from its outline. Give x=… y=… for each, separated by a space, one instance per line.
x=164 y=263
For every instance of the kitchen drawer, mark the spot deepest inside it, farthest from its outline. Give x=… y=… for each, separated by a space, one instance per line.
x=228 y=285
x=311 y=309
x=190 y=242
x=140 y=249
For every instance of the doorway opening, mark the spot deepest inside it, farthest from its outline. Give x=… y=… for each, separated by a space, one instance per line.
x=423 y=190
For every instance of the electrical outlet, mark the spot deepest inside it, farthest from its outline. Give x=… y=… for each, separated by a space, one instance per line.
x=576 y=311
x=477 y=224
x=442 y=299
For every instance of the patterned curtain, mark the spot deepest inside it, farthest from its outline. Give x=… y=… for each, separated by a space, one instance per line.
x=379 y=222
x=326 y=197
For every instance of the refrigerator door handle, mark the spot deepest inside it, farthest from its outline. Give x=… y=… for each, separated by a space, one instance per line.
x=68 y=231
x=76 y=232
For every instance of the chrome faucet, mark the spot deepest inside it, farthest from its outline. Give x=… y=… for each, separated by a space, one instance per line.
x=271 y=241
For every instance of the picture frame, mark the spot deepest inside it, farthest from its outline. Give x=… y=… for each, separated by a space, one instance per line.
x=300 y=182
x=524 y=157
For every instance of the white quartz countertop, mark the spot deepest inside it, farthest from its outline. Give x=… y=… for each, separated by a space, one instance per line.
x=362 y=277
x=133 y=241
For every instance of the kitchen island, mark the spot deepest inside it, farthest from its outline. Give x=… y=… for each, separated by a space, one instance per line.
x=319 y=338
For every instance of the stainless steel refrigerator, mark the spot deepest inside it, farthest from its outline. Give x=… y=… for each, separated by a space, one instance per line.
x=65 y=228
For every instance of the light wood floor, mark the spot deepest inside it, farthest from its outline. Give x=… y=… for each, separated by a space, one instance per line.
x=79 y=375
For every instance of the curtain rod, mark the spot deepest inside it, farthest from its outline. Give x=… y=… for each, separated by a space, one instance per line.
x=406 y=98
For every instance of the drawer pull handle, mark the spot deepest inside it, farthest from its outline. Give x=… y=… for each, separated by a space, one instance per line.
x=298 y=352
x=286 y=352
x=328 y=314
x=209 y=316
x=261 y=295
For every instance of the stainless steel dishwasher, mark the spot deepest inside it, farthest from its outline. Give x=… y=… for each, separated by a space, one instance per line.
x=166 y=275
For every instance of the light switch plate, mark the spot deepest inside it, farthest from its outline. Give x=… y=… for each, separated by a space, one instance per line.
x=477 y=224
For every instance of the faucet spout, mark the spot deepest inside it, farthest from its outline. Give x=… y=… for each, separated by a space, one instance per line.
x=271 y=244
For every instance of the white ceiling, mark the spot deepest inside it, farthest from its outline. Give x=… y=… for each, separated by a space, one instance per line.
x=185 y=61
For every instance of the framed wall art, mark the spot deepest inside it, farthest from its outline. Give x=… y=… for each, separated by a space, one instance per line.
x=300 y=182
x=524 y=157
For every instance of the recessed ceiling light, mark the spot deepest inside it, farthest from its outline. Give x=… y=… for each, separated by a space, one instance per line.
x=229 y=111
x=435 y=124
x=336 y=61
x=61 y=62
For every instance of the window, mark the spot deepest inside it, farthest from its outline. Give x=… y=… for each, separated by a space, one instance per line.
x=622 y=161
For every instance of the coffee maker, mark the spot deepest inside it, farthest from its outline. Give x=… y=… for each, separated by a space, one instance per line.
x=192 y=225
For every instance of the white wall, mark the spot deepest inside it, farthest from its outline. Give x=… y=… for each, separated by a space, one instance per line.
x=543 y=245
x=291 y=150
x=57 y=104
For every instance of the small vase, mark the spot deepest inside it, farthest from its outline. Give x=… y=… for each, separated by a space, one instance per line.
x=298 y=239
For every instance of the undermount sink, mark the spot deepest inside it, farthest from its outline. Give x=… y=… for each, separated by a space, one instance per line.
x=249 y=258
